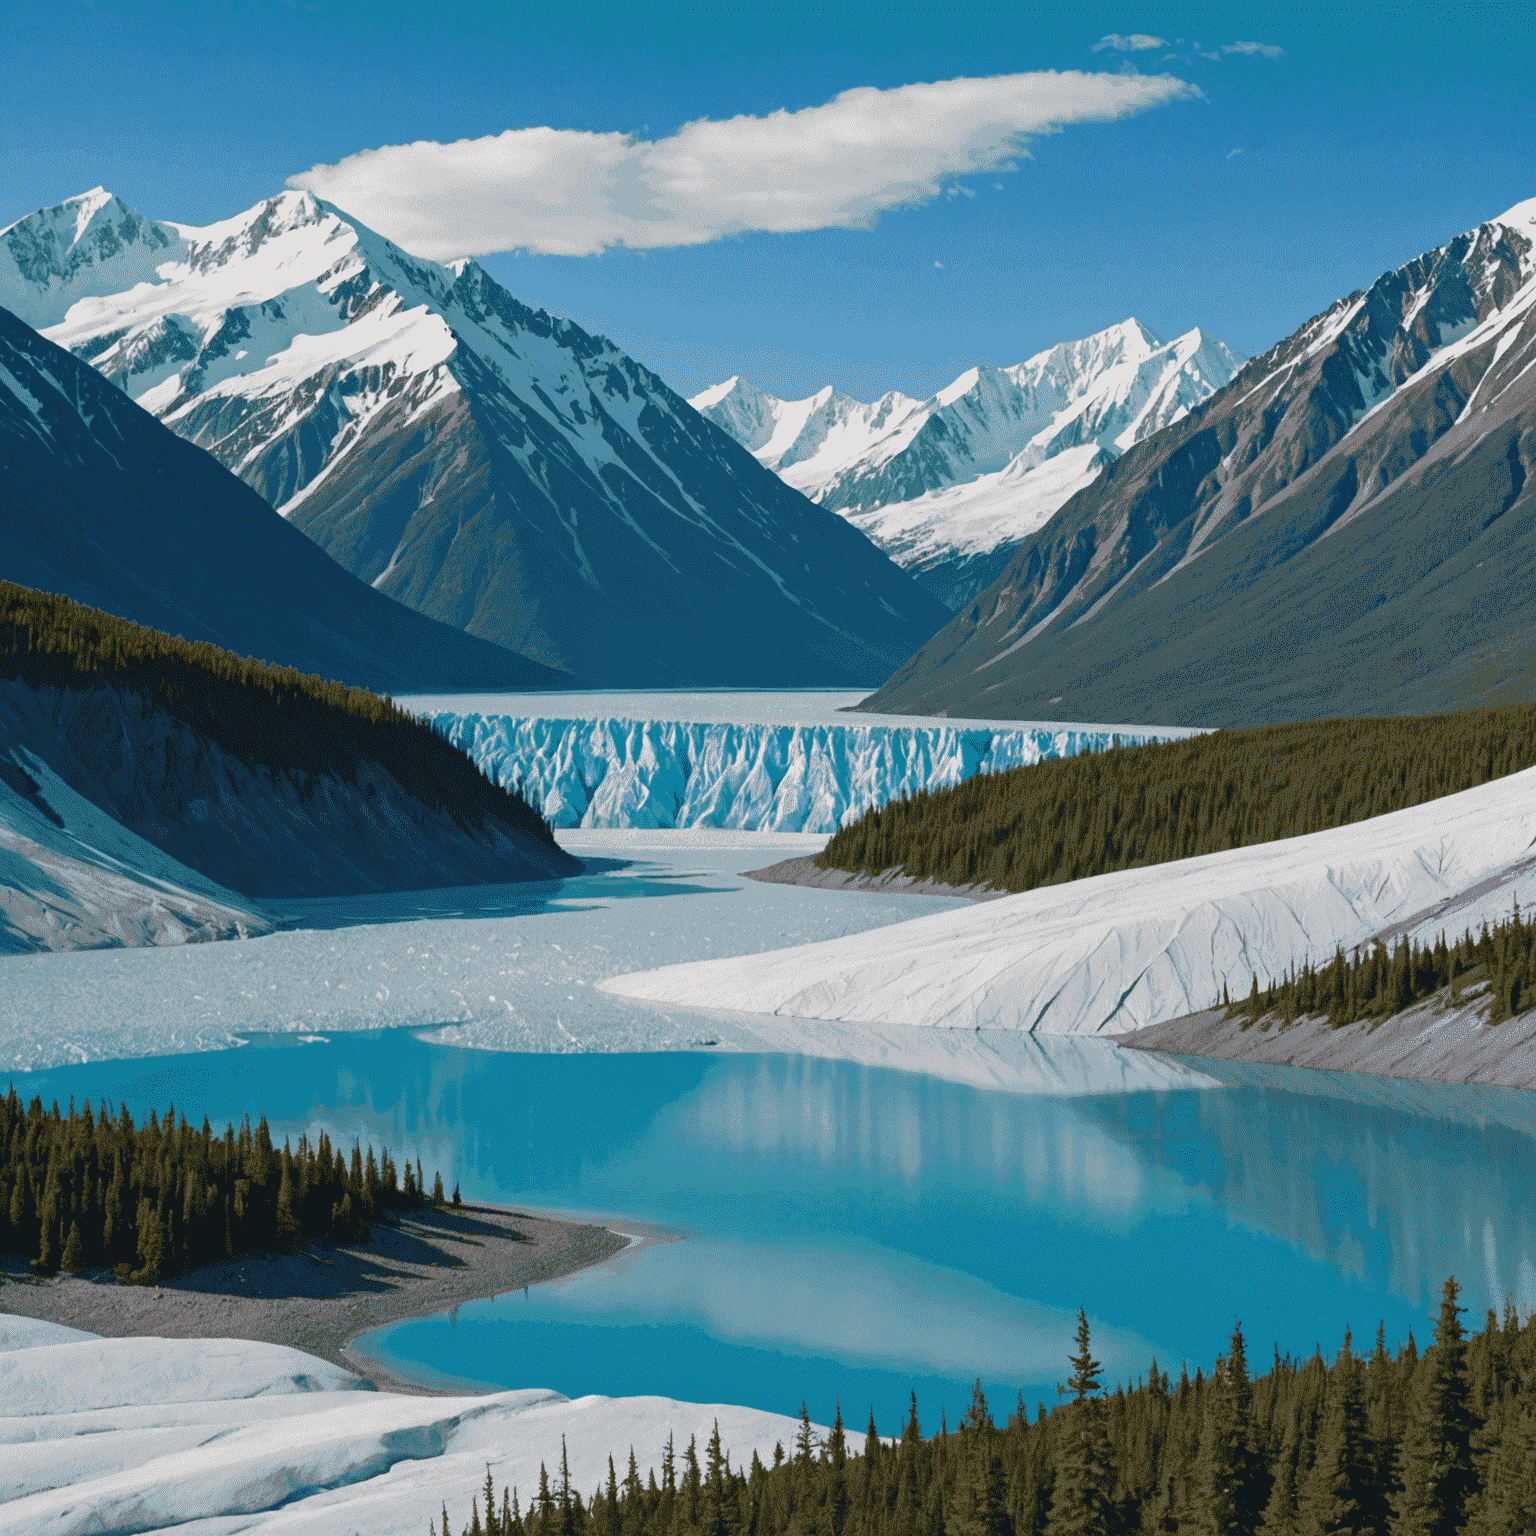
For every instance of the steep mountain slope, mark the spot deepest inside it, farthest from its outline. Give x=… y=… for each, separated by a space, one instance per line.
x=147 y=785
x=105 y=505
x=1349 y=527
x=488 y=464
x=948 y=486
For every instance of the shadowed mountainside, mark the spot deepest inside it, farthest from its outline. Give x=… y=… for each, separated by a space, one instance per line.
x=1348 y=528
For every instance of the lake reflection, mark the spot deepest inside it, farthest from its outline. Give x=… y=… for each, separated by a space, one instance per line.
x=853 y=1231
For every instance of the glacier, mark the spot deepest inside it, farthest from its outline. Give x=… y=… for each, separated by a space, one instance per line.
x=801 y=769
x=147 y=1433
x=1115 y=952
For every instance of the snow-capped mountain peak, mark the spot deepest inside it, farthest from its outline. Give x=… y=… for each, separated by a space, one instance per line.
x=87 y=246
x=489 y=464
x=943 y=482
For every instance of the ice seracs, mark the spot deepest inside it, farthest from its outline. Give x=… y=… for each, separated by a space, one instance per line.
x=619 y=771
x=1110 y=954
x=942 y=484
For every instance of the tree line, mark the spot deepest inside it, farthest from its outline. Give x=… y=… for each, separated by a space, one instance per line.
x=288 y=722
x=1127 y=807
x=1382 y=1445
x=87 y=1190
x=1378 y=982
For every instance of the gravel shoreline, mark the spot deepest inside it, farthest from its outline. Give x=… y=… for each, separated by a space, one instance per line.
x=1429 y=1042
x=320 y=1298
x=890 y=882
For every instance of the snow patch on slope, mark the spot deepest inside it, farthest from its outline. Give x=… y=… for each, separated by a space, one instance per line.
x=136 y=1434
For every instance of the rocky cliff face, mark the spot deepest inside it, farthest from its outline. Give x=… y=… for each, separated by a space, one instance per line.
x=122 y=826
x=1348 y=527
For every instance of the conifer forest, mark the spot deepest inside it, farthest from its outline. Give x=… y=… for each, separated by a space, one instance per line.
x=1385 y=1444
x=92 y=1190
x=1499 y=965
x=276 y=718
x=1067 y=818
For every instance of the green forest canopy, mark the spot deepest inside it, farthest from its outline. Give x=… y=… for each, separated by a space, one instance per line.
x=1386 y=1445
x=1128 y=807
x=92 y=1190
x=276 y=718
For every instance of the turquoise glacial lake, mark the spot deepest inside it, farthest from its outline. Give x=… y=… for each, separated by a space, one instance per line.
x=847 y=1234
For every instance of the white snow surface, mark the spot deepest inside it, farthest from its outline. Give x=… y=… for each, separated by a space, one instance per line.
x=1116 y=952
x=804 y=768
x=143 y=1434
x=986 y=472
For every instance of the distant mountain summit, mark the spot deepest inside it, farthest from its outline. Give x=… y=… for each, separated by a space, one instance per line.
x=490 y=465
x=949 y=485
x=1348 y=527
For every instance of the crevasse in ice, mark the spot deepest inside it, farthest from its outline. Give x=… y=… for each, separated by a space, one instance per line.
x=783 y=778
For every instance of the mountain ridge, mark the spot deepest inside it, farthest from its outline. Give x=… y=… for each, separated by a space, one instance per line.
x=108 y=507
x=948 y=485
x=1328 y=534
x=491 y=465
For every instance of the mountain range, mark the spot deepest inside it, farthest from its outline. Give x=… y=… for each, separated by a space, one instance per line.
x=949 y=486
x=104 y=505
x=491 y=466
x=1348 y=527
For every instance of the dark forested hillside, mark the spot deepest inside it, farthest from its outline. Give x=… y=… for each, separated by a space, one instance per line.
x=271 y=717
x=1389 y=1444
x=1068 y=818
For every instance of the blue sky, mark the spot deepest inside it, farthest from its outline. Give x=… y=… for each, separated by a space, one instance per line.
x=1244 y=191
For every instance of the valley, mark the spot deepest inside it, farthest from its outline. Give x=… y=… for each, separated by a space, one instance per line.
x=849 y=895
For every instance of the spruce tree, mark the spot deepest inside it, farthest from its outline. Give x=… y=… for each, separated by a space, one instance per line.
x=1228 y=1475
x=1342 y=1492
x=1084 y=1476
x=1435 y=1456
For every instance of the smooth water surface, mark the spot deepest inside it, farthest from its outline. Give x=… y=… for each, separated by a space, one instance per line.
x=851 y=1232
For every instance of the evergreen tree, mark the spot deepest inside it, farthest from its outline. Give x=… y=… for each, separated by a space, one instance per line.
x=1084 y=1478
x=1342 y=1495
x=1435 y=1459
x=1229 y=1476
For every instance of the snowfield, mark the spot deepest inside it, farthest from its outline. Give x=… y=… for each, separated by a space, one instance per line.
x=104 y=1435
x=612 y=760
x=1113 y=953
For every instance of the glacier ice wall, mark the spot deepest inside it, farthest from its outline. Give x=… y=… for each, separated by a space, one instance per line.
x=618 y=772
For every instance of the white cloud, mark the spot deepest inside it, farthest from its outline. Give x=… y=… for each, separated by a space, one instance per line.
x=566 y=192
x=1262 y=50
x=1135 y=43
